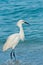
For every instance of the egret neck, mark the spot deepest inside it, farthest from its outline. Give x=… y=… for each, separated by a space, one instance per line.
x=21 y=33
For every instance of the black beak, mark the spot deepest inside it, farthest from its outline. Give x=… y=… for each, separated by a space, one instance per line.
x=26 y=23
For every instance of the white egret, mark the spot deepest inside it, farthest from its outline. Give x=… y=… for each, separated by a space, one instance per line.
x=14 y=39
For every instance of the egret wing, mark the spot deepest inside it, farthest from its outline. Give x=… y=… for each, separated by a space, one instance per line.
x=11 y=41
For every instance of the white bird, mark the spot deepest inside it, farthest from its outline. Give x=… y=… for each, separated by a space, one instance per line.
x=14 y=39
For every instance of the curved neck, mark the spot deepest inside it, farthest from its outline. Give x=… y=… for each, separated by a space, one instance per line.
x=21 y=33
x=21 y=29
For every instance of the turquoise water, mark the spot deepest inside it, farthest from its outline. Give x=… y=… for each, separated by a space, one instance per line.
x=31 y=11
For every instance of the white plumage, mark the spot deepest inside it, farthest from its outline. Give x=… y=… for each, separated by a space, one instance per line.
x=11 y=42
x=14 y=39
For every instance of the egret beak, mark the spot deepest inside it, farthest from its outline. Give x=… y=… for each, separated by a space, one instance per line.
x=26 y=23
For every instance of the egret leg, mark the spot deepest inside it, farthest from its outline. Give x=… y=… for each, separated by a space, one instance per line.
x=11 y=55
x=14 y=55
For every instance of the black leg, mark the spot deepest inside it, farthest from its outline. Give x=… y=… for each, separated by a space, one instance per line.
x=14 y=55
x=11 y=55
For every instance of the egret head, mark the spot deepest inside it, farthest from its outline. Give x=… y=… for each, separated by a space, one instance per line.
x=20 y=22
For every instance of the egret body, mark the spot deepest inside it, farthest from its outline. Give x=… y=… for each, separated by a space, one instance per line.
x=14 y=39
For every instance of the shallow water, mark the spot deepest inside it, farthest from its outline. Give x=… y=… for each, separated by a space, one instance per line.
x=31 y=50
x=27 y=53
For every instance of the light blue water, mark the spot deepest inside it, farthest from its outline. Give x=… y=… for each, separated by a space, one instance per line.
x=31 y=11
